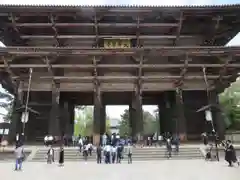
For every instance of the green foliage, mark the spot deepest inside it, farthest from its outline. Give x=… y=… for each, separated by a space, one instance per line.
x=151 y=123
x=230 y=103
x=6 y=102
x=84 y=121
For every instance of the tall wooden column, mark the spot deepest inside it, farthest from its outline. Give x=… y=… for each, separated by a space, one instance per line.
x=180 y=118
x=103 y=119
x=132 y=121
x=54 y=124
x=16 y=125
x=137 y=113
x=218 y=118
x=97 y=114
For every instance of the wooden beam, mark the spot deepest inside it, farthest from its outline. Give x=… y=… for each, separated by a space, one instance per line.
x=120 y=66
x=102 y=25
x=106 y=36
x=83 y=78
x=162 y=51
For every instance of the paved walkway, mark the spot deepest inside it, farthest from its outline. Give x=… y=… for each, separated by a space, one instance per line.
x=164 y=170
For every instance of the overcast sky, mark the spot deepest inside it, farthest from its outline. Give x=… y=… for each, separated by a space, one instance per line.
x=117 y=111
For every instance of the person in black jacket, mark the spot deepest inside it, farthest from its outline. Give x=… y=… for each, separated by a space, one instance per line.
x=61 y=156
x=230 y=153
x=99 y=154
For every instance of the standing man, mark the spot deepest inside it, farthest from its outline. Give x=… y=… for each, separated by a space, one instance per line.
x=129 y=153
x=99 y=154
x=50 y=155
x=19 y=155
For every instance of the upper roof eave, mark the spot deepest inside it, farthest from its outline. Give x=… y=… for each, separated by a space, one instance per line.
x=223 y=6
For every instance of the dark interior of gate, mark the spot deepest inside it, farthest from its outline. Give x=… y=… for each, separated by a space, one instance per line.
x=117 y=55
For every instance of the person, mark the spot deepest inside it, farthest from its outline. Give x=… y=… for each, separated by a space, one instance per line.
x=104 y=139
x=119 y=153
x=50 y=140
x=107 y=151
x=114 y=153
x=17 y=139
x=61 y=156
x=85 y=152
x=129 y=153
x=169 y=147
x=46 y=140
x=80 y=144
x=90 y=148
x=99 y=154
x=205 y=138
x=19 y=155
x=230 y=153
x=50 y=155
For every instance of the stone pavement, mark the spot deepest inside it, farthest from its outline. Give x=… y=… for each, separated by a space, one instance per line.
x=163 y=170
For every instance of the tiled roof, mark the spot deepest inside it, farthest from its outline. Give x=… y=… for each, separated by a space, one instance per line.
x=119 y=6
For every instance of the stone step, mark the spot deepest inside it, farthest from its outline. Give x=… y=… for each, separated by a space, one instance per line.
x=139 y=154
x=125 y=159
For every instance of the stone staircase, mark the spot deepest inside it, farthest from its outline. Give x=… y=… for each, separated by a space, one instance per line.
x=139 y=154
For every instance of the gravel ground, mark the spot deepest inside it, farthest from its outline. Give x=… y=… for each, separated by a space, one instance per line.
x=162 y=170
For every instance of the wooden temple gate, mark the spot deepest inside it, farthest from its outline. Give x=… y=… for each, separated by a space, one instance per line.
x=175 y=56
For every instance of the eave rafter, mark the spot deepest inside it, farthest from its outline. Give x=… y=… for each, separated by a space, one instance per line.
x=13 y=19
x=223 y=71
x=50 y=70
x=181 y=18
x=53 y=23
x=213 y=33
x=183 y=72
x=138 y=31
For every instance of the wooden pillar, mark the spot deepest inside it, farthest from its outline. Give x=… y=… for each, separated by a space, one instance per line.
x=103 y=119
x=53 y=128
x=132 y=122
x=137 y=112
x=218 y=118
x=97 y=114
x=180 y=118
x=16 y=124
x=71 y=107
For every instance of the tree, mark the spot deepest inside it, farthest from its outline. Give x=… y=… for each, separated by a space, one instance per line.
x=6 y=102
x=124 y=126
x=230 y=103
x=150 y=123
x=84 y=121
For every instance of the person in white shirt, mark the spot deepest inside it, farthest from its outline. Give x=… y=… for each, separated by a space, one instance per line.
x=80 y=144
x=50 y=140
x=46 y=140
x=90 y=148
x=107 y=152
x=85 y=152
x=114 y=154
x=50 y=155
x=104 y=139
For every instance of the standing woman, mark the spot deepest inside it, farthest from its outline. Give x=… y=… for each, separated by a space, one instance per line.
x=61 y=156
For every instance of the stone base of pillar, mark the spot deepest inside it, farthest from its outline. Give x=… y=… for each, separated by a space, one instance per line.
x=96 y=139
x=183 y=137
